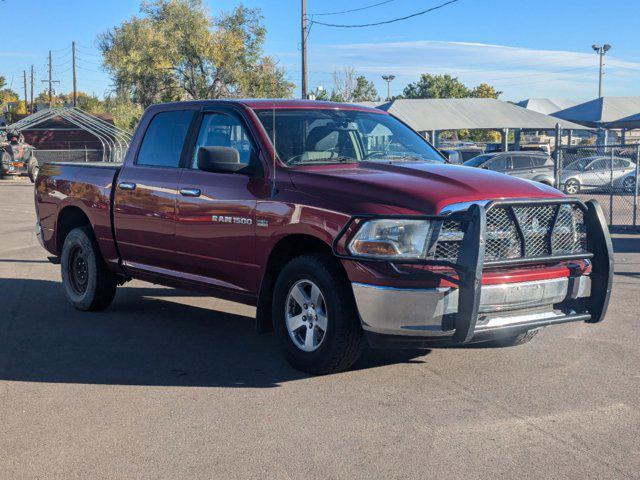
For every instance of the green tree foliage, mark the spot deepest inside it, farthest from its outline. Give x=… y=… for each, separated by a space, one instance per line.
x=125 y=113
x=365 y=91
x=437 y=86
x=446 y=86
x=485 y=90
x=175 y=50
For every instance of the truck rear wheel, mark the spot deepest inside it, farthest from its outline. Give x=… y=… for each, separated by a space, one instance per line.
x=315 y=317
x=88 y=283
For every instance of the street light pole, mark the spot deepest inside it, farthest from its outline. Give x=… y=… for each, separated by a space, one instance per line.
x=601 y=50
x=388 y=79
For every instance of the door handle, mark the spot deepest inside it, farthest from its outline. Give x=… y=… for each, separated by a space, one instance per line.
x=190 y=192
x=127 y=186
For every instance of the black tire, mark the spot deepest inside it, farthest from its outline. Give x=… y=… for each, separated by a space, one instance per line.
x=88 y=283
x=512 y=341
x=342 y=342
x=34 y=169
x=572 y=187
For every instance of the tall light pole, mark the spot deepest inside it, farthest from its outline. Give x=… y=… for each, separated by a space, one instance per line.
x=304 y=88
x=601 y=50
x=388 y=79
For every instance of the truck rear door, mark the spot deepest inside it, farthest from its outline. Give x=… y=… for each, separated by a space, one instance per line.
x=215 y=229
x=146 y=192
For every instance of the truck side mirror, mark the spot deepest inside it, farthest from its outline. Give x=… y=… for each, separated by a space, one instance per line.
x=219 y=159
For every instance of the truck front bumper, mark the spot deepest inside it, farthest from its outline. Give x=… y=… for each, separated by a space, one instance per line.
x=471 y=311
x=431 y=312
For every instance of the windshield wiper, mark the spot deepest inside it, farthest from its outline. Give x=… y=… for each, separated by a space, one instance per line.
x=327 y=160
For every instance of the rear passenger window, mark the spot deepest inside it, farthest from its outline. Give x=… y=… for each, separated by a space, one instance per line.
x=521 y=161
x=163 y=141
x=499 y=164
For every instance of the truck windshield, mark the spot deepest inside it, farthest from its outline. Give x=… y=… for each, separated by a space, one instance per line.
x=312 y=136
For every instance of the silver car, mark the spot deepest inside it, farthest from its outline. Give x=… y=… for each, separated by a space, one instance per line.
x=594 y=173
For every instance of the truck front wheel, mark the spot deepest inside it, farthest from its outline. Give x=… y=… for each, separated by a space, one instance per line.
x=315 y=317
x=87 y=281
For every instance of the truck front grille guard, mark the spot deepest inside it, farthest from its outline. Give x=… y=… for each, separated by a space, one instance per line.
x=471 y=261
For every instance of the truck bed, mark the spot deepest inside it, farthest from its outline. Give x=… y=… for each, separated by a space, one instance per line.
x=84 y=188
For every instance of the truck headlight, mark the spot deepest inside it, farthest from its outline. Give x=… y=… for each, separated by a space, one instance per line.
x=393 y=239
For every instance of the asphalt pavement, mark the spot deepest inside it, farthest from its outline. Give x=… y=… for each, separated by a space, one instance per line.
x=169 y=384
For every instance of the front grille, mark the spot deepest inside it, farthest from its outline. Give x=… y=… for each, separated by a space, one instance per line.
x=520 y=232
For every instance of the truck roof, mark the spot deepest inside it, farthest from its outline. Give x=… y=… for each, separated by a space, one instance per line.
x=280 y=103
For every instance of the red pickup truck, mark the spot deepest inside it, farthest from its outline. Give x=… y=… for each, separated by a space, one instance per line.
x=342 y=225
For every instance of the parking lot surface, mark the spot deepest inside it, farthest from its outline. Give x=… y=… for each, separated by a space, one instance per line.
x=168 y=384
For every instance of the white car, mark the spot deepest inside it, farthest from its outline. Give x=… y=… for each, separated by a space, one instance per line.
x=594 y=173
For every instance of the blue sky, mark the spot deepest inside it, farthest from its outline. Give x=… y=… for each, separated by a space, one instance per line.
x=526 y=48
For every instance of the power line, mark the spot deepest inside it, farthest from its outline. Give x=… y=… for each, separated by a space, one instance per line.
x=352 y=10
x=386 y=21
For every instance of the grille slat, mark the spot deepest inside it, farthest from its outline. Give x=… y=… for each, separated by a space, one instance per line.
x=542 y=230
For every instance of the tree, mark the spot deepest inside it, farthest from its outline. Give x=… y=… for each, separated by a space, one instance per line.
x=365 y=91
x=437 y=86
x=177 y=51
x=347 y=87
x=125 y=113
x=485 y=90
x=344 y=83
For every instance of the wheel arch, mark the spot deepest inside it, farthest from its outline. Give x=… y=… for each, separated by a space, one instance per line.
x=70 y=217
x=287 y=248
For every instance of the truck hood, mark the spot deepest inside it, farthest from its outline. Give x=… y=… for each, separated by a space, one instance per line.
x=409 y=187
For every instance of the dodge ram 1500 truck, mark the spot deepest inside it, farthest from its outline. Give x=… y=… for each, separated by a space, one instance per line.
x=342 y=225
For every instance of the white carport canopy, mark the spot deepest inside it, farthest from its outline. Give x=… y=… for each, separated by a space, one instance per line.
x=605 y=112
x=471 y=113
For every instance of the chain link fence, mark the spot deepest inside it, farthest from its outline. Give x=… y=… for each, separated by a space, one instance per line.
x=78 y=155
x=607 y=173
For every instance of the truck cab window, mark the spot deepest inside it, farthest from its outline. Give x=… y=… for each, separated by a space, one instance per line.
x=164 y=139
x=219 y=130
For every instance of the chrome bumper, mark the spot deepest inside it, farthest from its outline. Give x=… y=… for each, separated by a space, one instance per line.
x=423 y=312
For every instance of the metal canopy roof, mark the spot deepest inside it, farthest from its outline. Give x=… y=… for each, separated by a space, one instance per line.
x=470 y=113
x=548 y=106
x=606 y=112
x=114 y=140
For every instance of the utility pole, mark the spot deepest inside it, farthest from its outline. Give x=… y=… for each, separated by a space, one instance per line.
x=32 y=109
x=304 y=88
x=26 y=99
x=51 y=81
x=73 y=60
x=388 y=79
x=601 y=50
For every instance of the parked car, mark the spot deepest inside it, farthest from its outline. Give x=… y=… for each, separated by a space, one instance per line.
x=528 y=165
x=280 y=204
x=452 y=155
x=595 y=172
x=16 y=156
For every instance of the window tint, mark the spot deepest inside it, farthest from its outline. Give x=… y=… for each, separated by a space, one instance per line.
x=521 y=161
x=499 y=163
x=219 y=130
x=599 y=165
x=621 y=163
x=164 y=139
x=539 y=161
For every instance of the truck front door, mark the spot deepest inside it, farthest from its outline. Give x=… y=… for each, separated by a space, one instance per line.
x=215 y=229
x=145 y=195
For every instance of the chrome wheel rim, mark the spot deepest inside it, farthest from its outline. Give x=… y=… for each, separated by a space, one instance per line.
x=629 y=183
x=306 y=315
x=571 y=187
